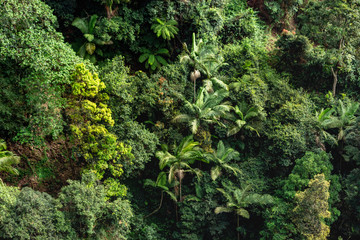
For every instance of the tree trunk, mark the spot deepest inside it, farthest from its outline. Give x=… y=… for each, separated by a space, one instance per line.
x=238 y=225
x=156 y=210
x=335 y=81
x=176 y=212
x=194 y=90
x=180 y=179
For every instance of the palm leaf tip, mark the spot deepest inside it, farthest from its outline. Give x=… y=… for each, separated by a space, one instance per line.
x=222 y=209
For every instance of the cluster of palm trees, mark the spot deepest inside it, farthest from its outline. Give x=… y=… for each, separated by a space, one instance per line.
x=181 y=161
x=209 y=105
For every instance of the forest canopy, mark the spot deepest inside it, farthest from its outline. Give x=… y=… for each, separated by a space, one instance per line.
x=177 y=119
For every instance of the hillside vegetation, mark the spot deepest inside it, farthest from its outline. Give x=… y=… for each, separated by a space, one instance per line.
x=178 y=119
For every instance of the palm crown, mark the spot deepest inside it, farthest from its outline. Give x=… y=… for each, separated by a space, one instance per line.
x=184 y=155
x=221 y=158
x=208 y=108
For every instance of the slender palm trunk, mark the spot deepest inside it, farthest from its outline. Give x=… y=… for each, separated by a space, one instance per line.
x=176 y=212
x=156 y=210
x=335 y=81
x=194 y=90
x=238 y=225
x=180 y=187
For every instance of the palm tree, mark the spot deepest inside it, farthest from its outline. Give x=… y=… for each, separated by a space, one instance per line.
x=344 y=119
x=164 y=186
x=203 y=59
x=179 y=163
x=208 y=109
x=7 y=159
x=240 y=198
x=221 y=158
x=246 y=117
x=343 y=122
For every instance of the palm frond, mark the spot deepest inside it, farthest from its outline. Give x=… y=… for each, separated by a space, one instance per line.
x=215 y=172
x=243 y=213
x=81 y=25
x=222 y=209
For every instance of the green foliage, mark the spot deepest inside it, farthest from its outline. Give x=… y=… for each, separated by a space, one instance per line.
x=238 y=199
x=88 y=48
x=208 y=109
x=305 y=169
x=85 y=206
x=327 y=22
x=153 y=59
x=64 y=10
x=123 y=29
x=88 y=114
x=333 y=24
x=208 y=19
x=7 y=159
x=206 y=59
x=352 y=197
x=290 y=125
x=312 y=208
x=246 y=117
x=165 y=29
x=240 y=22
x=179 y=163
x=243 y=58
x=8 y=196
x=278 y=221
x=80 y=211
x=221 y=158
x=197 y=218
x=162 y=183
x=31 y=215
x=130 y=96
x=343 y=121
x=35 y=63
x=283 y=12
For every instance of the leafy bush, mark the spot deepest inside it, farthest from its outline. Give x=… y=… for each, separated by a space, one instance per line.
x=91 y=215
x=80 y=211
x=279 y=219
x=35 y=64
x=240 y=22
x=87 y=114
x=32 y=215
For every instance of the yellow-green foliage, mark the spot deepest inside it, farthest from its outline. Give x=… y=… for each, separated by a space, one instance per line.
x=88 y=115
x=312 y=208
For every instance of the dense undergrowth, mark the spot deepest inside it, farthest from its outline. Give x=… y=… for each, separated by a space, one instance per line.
x=177 y=119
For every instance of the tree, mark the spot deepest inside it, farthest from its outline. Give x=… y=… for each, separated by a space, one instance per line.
x=179 y=163
x=204 y=59
x=221 y=158
x=109 y=6
x=240 y=198
x=91 y=213
x=342 y=123
x=88 y=114
x=208 y=109
x=35 y=64
x=334 y=24
x=312 y=208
